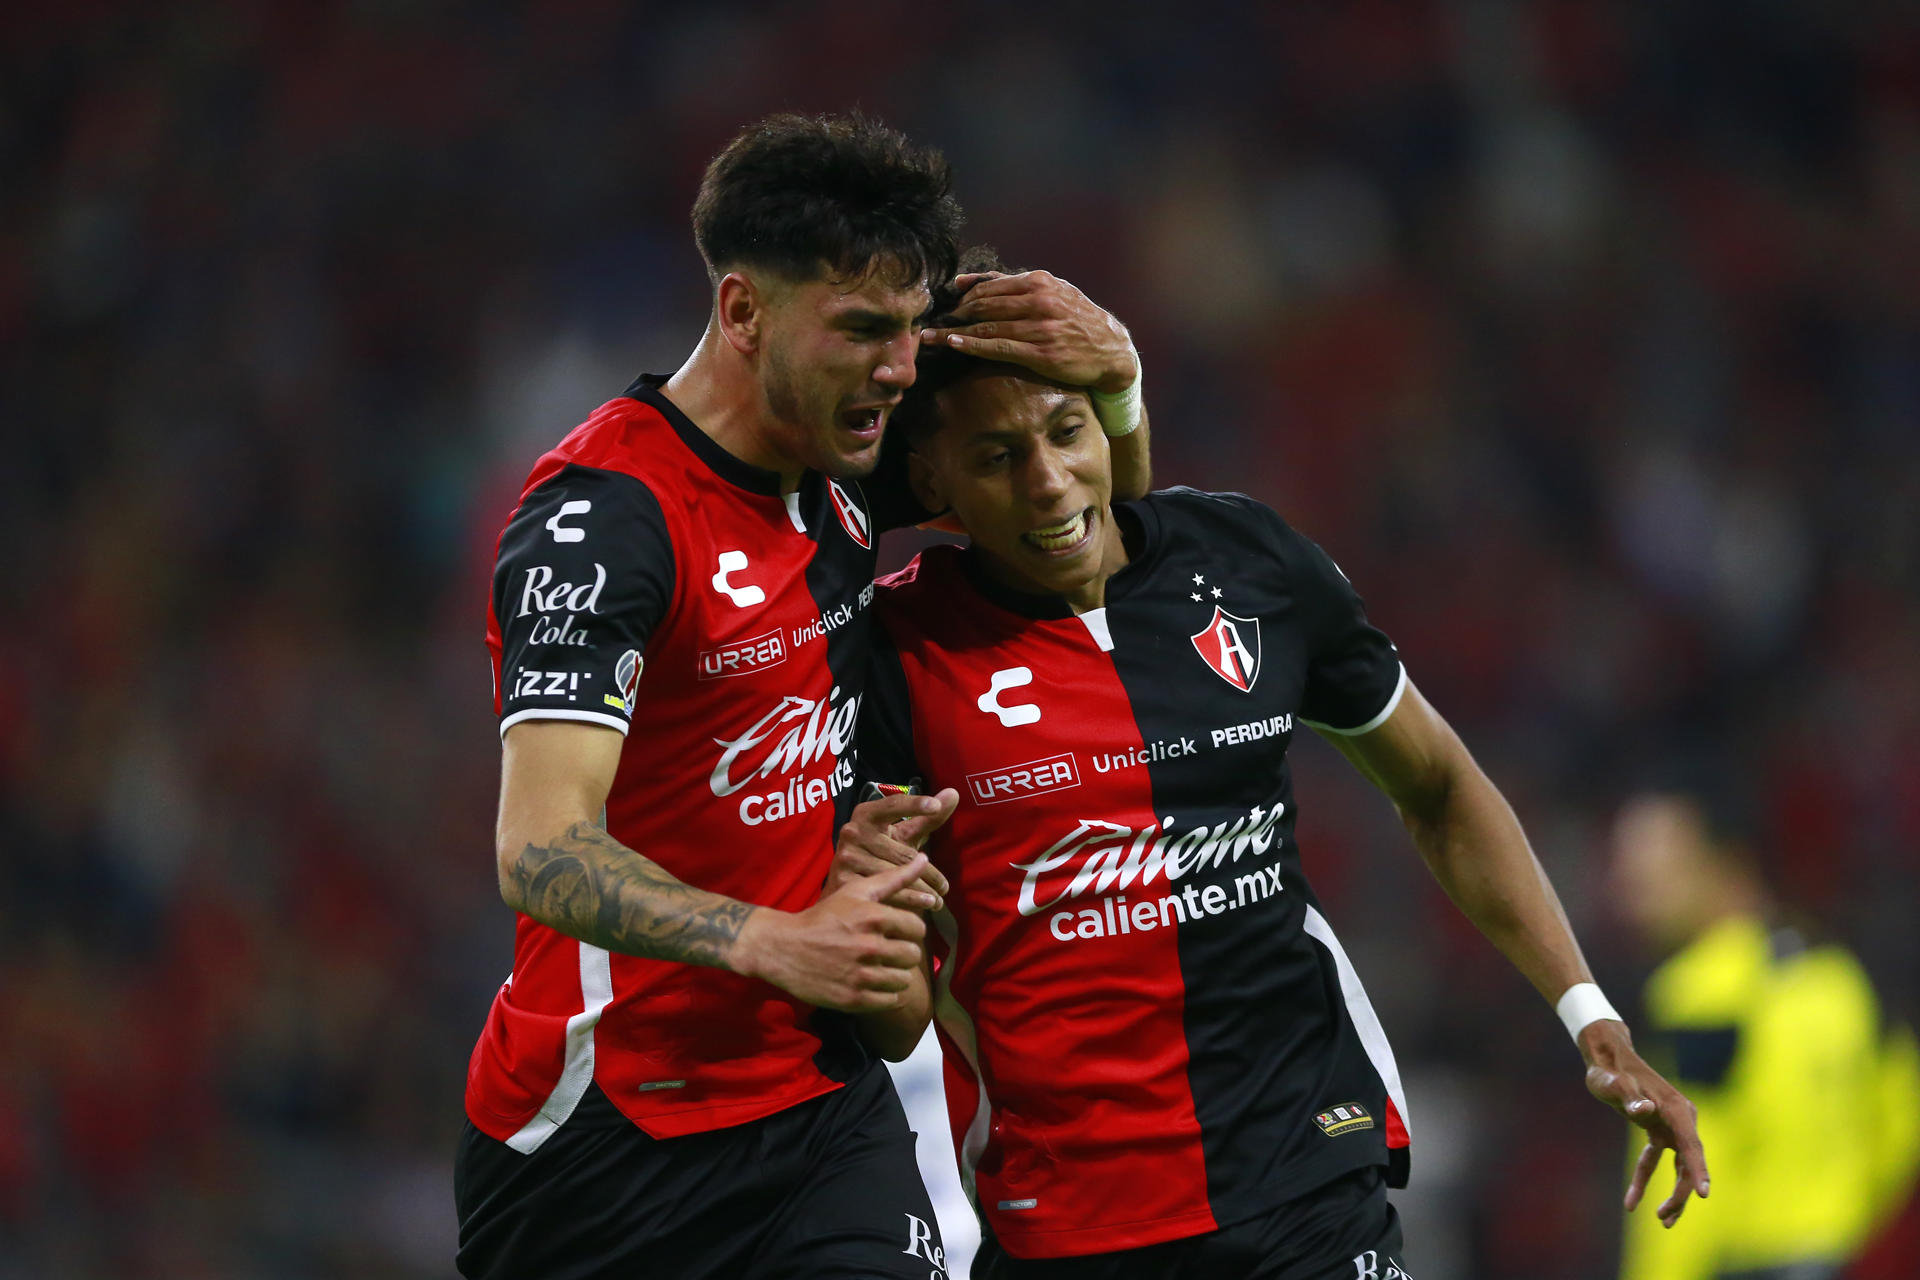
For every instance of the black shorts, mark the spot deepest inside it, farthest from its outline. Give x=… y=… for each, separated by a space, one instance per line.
x=826 y=1190
x=1344 y=1230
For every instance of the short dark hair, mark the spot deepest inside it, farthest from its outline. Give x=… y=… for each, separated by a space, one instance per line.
x=797 y=194
x=1716 y=788
x=940 y=367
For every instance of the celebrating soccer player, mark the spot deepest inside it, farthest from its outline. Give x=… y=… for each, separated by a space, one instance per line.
x=679 y=630
x=1160 y=1061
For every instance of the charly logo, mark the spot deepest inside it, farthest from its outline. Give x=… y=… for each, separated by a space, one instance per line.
x=1018 y=714
x=797 y=734
x=1230 y=645
x=566 y=532
x=732 y=562
x=852 y=518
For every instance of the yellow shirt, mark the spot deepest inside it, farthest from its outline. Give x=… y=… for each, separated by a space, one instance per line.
x=1809 y=1116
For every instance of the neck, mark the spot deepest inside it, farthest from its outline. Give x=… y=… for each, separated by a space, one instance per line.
x=1113 y=557
x=1730 y=900
x=717 y=390
x=1086 y=596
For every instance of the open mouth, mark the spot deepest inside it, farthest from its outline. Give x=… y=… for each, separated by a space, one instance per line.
x=865 y=423
x=1069 y=535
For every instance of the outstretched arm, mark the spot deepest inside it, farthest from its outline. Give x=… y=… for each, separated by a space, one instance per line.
x=557 y=864
x=1473 y=844
x=1040 y=322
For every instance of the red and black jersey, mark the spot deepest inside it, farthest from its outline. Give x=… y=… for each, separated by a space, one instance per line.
x=650 y=579
x=1150 y=1028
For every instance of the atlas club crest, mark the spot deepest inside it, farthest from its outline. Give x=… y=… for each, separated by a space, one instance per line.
x=1230 y=645
x=852 y=518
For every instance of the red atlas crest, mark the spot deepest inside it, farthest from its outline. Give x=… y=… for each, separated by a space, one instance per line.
x=852 y=518
x=1231 y=646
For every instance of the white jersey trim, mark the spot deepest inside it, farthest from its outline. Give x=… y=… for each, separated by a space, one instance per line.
x=793 y=511
x=1373 y=1037
x=958 y=1024
x=1399 y=692
x=1096 y=624
x=562 y=713
x=576 y=1071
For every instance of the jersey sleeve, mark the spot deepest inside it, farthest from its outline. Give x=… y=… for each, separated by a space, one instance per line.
x=584 y=577
x=886 y=719
x=1354 y=675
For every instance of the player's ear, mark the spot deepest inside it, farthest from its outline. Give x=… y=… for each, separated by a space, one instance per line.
x=739 y=309
x=924 y=479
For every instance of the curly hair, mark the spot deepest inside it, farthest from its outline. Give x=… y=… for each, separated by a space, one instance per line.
x=940 y=367
x=844 y=195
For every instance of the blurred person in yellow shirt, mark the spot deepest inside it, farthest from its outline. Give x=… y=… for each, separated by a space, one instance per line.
x=1809 y=1103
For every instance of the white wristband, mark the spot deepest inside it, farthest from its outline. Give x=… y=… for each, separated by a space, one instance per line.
x=1583 y=1003
x=1119 y=411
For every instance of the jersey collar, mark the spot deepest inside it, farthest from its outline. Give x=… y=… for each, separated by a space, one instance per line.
x=1136 y=520
x=646 y=389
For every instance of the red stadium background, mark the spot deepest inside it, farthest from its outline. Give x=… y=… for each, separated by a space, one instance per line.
x=1586 y=335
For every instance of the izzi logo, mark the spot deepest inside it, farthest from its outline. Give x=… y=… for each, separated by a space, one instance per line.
x=1348 y=1117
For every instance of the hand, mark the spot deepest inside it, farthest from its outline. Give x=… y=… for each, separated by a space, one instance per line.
x=1618 y=1077
x=1040 y=322
x=884 y=834
x=849 y=951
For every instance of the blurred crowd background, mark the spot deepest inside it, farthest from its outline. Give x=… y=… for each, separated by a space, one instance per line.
x=1586 y=336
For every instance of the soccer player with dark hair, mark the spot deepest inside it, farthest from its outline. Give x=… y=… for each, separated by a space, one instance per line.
x=1810 y=1097
x=666 y=1084
x=1159 y=1060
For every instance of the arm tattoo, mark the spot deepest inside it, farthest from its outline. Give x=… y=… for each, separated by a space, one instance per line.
x=589 y=886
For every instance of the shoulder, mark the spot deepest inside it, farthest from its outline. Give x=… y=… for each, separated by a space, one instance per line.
x=1187 y=502
x=1197 y=511
x=621 y=437
x=1260 y=538
x=1829 y=983
x=590 y=505
x=1718 y=977
x=927 y=585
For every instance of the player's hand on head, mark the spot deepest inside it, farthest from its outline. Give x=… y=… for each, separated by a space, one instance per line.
x=850 y=951
x=887 y=833
x=1619 y=1077
x=1040 y=322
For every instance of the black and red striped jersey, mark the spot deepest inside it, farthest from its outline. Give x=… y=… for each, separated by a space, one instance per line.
x=650 y=579
x=1150 y=1027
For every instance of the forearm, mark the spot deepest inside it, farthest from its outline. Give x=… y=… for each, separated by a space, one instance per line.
x=1473 y=844
x=589 y=886
x=894 y=1033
